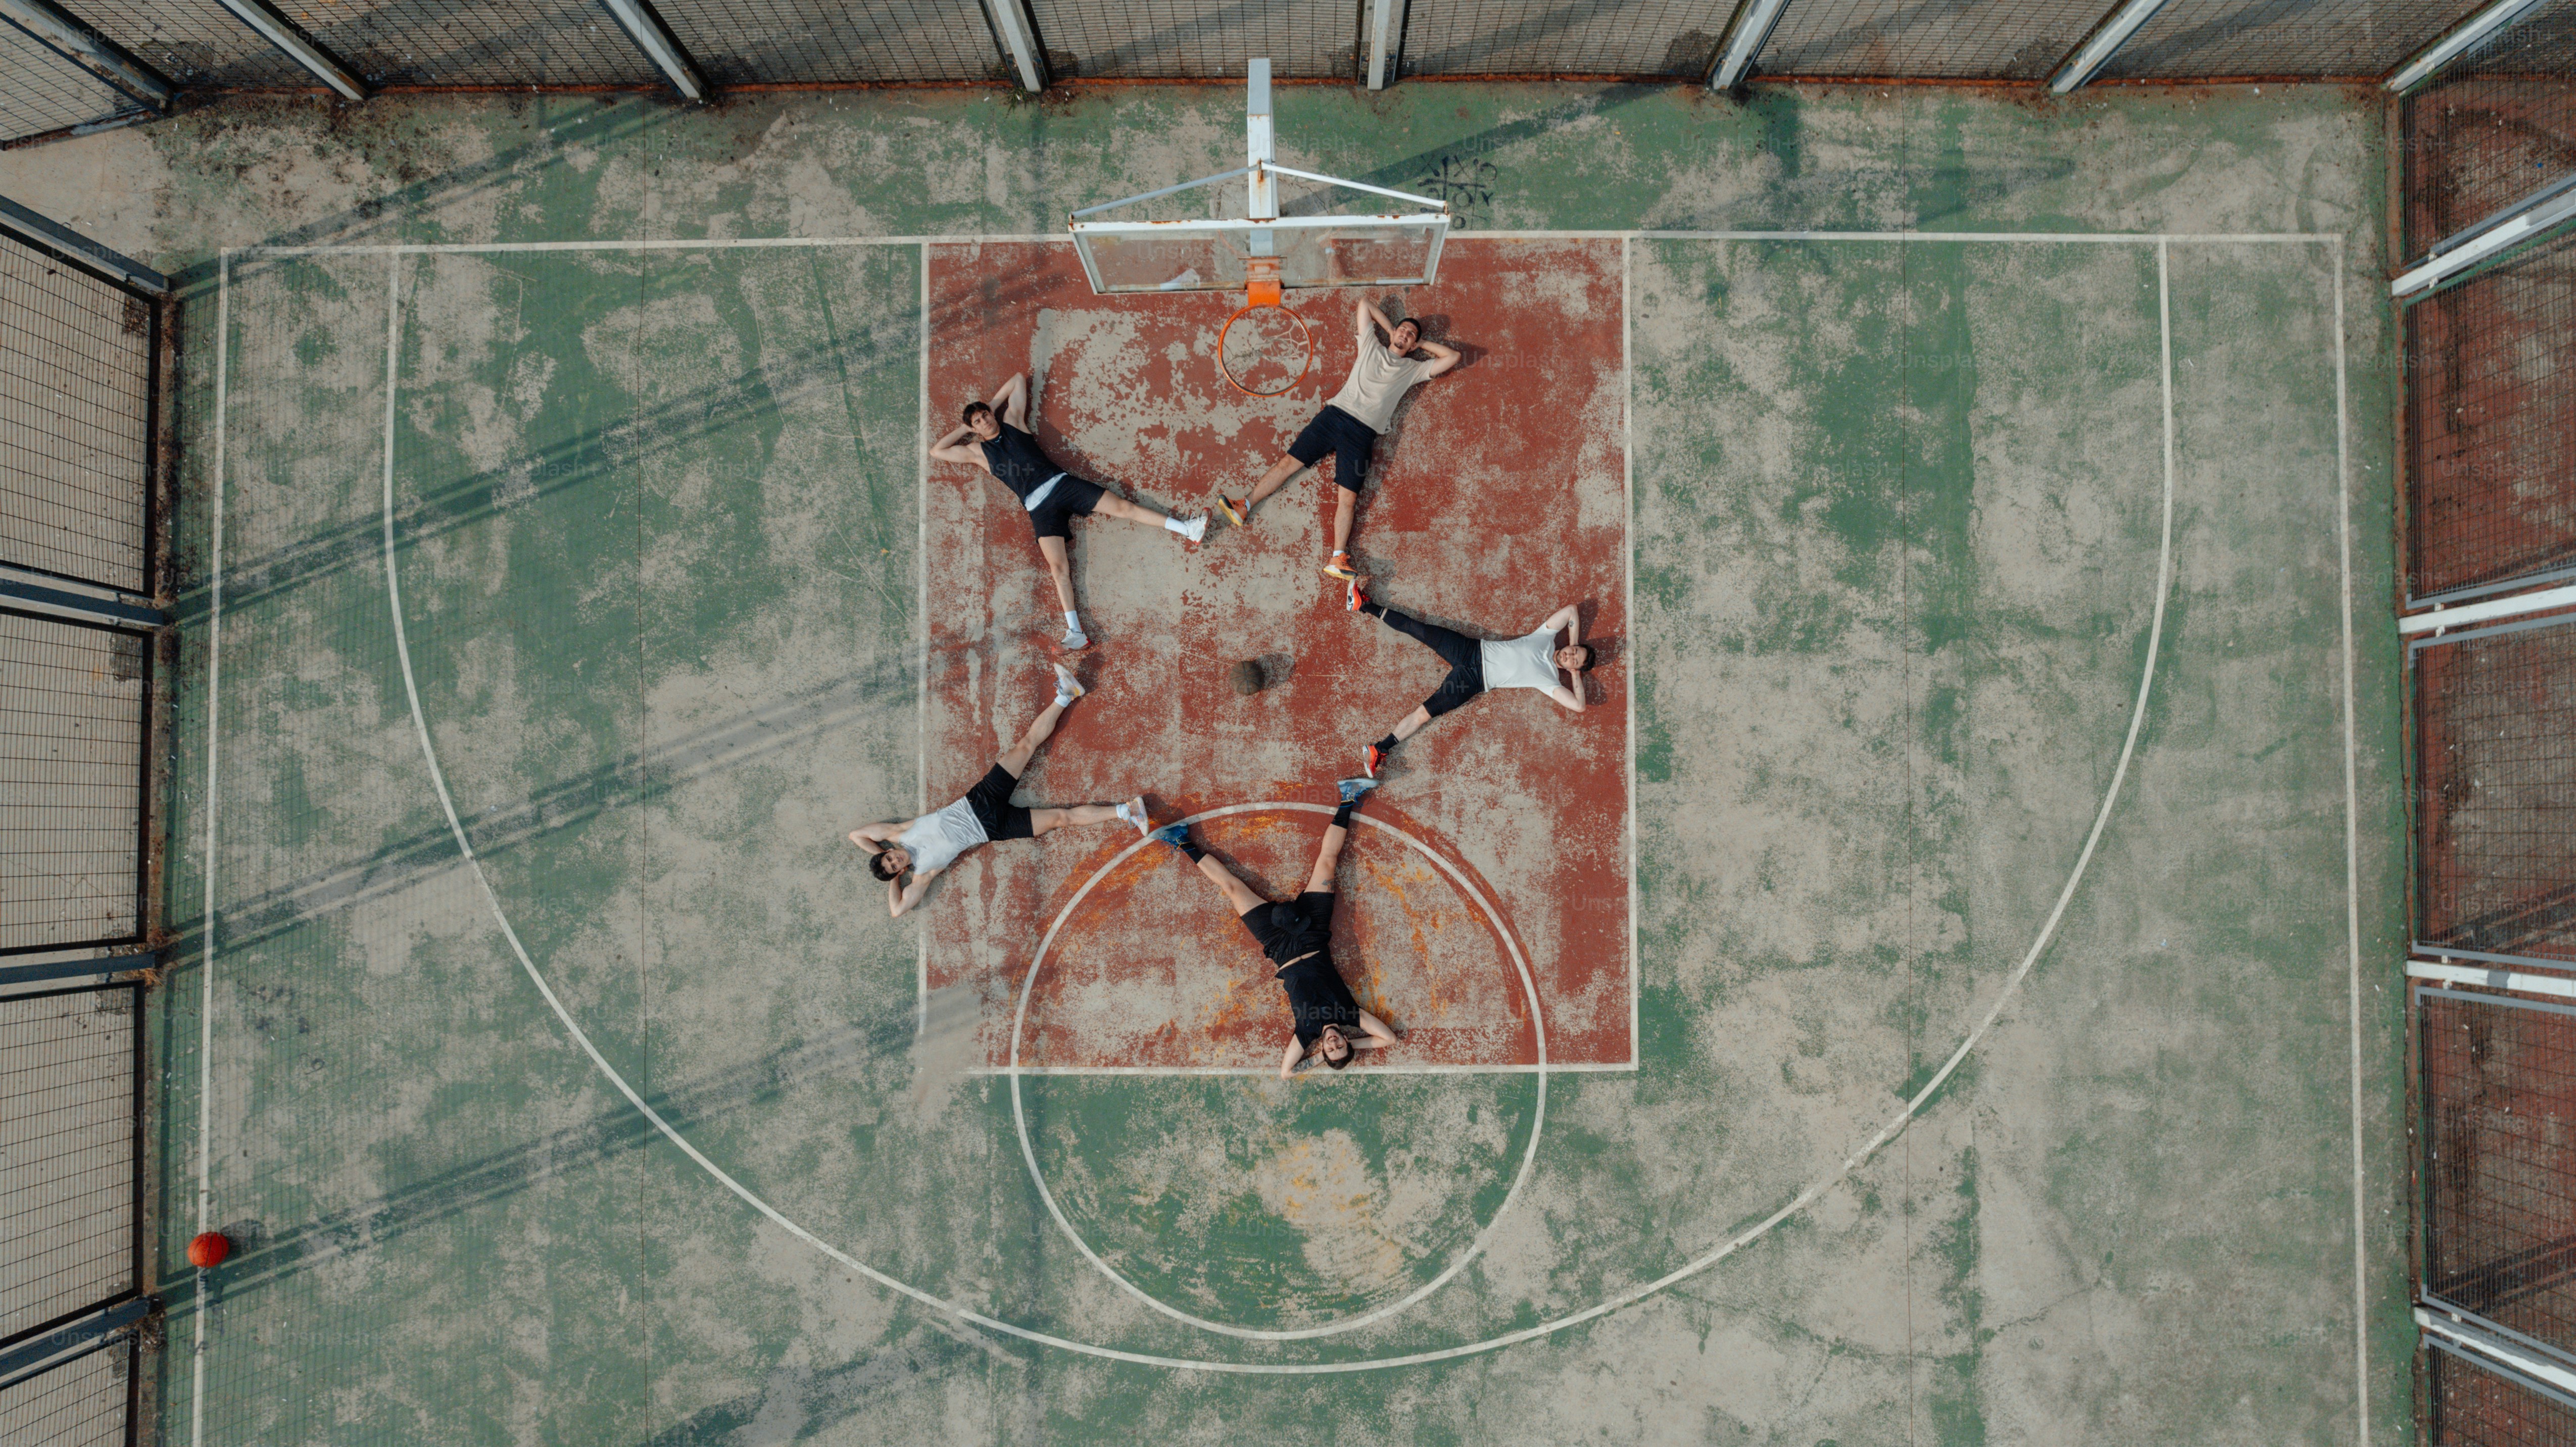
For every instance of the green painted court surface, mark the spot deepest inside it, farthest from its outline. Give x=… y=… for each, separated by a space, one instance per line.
x=1991 y=687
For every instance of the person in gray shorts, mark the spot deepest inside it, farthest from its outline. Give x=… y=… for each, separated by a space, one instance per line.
x=1001 y=443
x=1351 y=423
x=921 y=848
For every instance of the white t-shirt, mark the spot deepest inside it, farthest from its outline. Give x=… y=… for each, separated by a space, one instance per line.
x=936 y=839
x=1521 y=662
x=1378 y=380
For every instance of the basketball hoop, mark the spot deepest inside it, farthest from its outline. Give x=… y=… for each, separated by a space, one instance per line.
x=1262 y=251
x=1261 y=289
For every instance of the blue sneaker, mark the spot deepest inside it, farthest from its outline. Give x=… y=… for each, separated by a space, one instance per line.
x=1353 y=788
x=1175 y=835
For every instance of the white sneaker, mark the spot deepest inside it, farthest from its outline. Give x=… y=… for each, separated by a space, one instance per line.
x=1133 y=811
x=1195 y=530
x=1075 y=640
x=1067 y=687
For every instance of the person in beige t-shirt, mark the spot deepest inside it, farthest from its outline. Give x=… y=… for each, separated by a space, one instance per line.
x=1350 y=424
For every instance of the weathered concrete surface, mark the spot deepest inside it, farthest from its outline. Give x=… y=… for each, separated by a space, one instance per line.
x=1898 y=512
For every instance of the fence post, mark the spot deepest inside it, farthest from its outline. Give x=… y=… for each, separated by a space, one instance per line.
x=2102 y=44
x=279 y=31
x=655 y=40
x=1745 y=36
x=1019 y=36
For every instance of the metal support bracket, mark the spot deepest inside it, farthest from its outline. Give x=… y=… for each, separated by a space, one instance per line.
x=83 y=607
x=62 y=240
x=2464 y=37
x=277 y=30
x=91 y=51
x=106 y=968
x=2102 y=44
x=1745 y=36
x=1020 y=38
x=1384 y=32
x=656 y=41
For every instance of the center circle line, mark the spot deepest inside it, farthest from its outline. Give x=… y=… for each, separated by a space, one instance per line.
x=1475 y=1247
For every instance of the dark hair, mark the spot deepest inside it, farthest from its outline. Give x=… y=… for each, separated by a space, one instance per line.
x=1247 y=677
x=883 y=868
x=1348 y=1049
x=972 y=408
x=1395 y=322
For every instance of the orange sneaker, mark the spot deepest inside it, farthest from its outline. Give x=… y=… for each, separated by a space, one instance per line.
x=1235 y=512
x=1353 y=600
x=1339 y=566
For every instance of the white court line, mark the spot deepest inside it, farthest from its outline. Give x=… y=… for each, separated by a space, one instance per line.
x=1629 y=1297
x=206 y=950
x=2351 y=879
x=735 y=243
x=1529 y=1152
x=1598 y=1067
x=921 y=625
x=1628 y=603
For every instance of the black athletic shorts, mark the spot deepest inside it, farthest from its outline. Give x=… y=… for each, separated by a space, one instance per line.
x=1071 y=498
x=1301 y=926
x=1317 y=998
x=991 y=801
x=1464 y=655
x=1343 y=435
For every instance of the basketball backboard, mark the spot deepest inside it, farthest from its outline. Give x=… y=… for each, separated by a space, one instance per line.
x=1243 y=252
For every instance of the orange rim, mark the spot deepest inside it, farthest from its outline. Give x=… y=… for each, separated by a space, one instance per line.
x=1307 y=336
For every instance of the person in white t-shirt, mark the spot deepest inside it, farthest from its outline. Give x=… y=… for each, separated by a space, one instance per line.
x=1351 y=423
x=1478 y=665
x=924 y=847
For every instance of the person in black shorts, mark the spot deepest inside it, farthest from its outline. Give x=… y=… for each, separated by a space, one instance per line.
x=1002 y=446
x=1351 y=423
x=1481 y=665
x=1296 y=937
x=923 y=847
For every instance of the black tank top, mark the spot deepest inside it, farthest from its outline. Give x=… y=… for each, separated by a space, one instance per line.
x=1017 y=460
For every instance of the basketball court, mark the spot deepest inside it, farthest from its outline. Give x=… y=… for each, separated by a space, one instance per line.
x=1866 y=936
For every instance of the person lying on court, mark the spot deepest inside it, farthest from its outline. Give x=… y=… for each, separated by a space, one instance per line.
x=925 y=846
x=1481 y=665
x=1351 y=423
x=1001 y=444
x=1296 y=938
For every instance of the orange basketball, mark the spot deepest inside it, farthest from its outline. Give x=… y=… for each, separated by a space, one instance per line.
x=209 y=1249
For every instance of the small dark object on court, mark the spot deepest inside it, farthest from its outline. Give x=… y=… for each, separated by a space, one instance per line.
x=1247 y=677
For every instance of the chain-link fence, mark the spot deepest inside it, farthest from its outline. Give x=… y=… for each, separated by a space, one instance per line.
x=2470 y=1402
x=79 y=378
x=83 y=1401
x=2491 y=437
x=70 y=1067
x=201 y=45
x=2495 y=792
x=2496 y=126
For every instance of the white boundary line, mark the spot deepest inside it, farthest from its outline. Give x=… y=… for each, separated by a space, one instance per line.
x=1634 y=1294
x=2352 y=880
x=730 y=243
x=1628 y=602
x=1475 y=1248
x=921 y=626
x=206 y=941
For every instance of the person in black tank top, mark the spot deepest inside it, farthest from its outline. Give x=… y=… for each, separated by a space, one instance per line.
x=1297 y=938
x=996 y=438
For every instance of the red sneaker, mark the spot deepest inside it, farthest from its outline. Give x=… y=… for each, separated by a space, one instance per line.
x=1370 y=757
x=1353 y=600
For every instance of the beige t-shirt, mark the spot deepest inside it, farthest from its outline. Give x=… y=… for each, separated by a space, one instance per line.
x=1378 y=380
